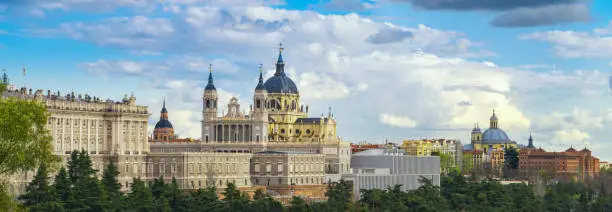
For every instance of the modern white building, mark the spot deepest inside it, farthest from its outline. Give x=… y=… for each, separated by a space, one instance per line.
x=380 y=168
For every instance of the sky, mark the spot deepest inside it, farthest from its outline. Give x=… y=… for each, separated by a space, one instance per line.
x=389 y=69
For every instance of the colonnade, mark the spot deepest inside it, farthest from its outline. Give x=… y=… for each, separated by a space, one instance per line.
x=233 y=133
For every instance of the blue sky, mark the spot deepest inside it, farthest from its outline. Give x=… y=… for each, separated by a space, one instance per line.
x=390 y=69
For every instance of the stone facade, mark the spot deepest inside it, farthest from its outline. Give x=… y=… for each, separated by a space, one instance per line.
x=105 y=129
x=271 y=168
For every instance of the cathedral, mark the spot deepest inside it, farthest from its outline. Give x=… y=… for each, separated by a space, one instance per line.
x=491 y=139
x=486 y=149
x=274 y=143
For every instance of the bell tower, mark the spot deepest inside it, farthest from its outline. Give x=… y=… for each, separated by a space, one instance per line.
x=260 y=111
x=209 y=113
x=476 y=134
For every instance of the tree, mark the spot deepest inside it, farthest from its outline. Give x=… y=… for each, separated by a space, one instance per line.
x=264 y=203
x=3 y=87
x=511 y=159
x=111 y=186
x=38 y=190
x=338 y=196
x=140 y=198
x=61 y=186
x=298 y=205
x=6 y=201
x=25 y=142
x=202 y=197
x=236 y=200
x=87 y=192
x=446 y=161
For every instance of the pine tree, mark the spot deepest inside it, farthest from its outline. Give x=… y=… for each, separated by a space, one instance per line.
x=39 y=191
x=61 y=187
x=87 y=192
x=175 y=196
x=111 y=186
x=140 y=197
x=298 y=205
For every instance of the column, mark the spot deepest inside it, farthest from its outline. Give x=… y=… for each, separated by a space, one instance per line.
x=70 y=124
x=96 y=135
x=244 y=138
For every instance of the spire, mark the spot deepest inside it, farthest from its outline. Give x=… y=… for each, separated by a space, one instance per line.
x=164 y=111
x=5 y=79
x=530 y=141
x=210 y=86
x=280 y=64
x=260 y=84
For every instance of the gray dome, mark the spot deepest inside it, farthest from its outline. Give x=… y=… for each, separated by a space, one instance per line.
x=280 y=84
x=494 y=135
x=163 y=123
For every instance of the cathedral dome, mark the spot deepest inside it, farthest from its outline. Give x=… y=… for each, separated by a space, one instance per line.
x=163 y=123
x=163 y=118
x=280 y=82
x=495 y=135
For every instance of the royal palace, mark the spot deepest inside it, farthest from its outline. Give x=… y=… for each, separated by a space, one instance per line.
x=273 y=145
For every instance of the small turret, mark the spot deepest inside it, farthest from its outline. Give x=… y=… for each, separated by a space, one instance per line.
x=260 y=84
x=493 y=120
x=530 y=142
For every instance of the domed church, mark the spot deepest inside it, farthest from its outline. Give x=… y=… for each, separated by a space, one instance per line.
x=493 y=138
x=163 y=131
x=274 y=121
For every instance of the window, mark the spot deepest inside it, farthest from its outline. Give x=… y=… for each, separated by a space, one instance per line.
x=258 y=103
x=162 y=168
x=256 y=167
x=280 y=168
x=268 y=167
x=282 y=131
x=308 y=131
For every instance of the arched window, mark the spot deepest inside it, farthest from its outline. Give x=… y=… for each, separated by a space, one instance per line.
x=207 y=103
x=258 y=104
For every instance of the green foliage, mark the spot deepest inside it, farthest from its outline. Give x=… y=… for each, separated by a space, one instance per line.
x=24 y=140
x=236 y=200
x=263 y=202
x=511 y=159
x=140 y=198
x=339 y=196
x=86 y=193
x=77 y=189
x=39 y=191
x=6 y=201
x=61 y=188
x=112 y=187
x=298 y=205
x=3 y=87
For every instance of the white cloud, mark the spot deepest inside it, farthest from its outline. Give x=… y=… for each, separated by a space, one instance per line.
x=398 y=121
x=437 y=92
x=571 y=137
x=575 y=44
